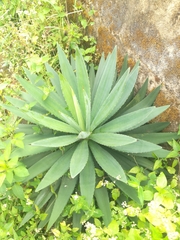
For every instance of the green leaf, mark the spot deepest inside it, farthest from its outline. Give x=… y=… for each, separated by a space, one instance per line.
x=2 y=178
x=21 y=171
x=65 y=191
x=57 y=170
x=54 y=77
x=156 y=138
x=79 y=158
x=50 y=104
x=83 y=83
x=127 y=88
x=111 y=139
x=56 y=141
x=161 y=180
x=124 y=66
x=51 y=123
x=139 y=147
x=87 y=181
x=107 y=162
x=43 y=164
x=67 y=70
x=148 y=195
x=113 y=228
x=7 y=152
x=18 y=191
x=109 y=103
x=128 y=121
x=102 y=199
x=105 y=82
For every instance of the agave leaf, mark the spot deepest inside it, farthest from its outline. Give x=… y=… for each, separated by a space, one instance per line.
x=50 y=104
x=79 y=158
x=18 y=113
x=43 y=164
x=29 y=149
x=51 y=123
x=83 y=83
x=78 y=112
x=127 y=122
x=27 y=217
x=111 y=139
x=109 y=103
x=34 y=79
x=107 y=162
x=136 y=99
x=60 y=141
x=87 y=180
x=138 y=147
x=146 y=102
x=156 y=138
x=105 y=83
x=97 y=79
x=128 y=190
x=31 y=160
x=48 y=211
x=161 y=153
x=65 y=191
x=45 y=194
x=71 y=101
x=128 y=87
x=54 y=77
x=151 y=127
x=124 y=66
x=92 y=76
x=67 y=70
x=88 y=111
x=57 y=170
x=102 y=199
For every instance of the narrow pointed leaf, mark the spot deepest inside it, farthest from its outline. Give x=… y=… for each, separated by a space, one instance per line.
x=79 y=158
x=102 y=199
x=128 y=190
x=43 y=164
x=105 y=82
x=49 y=104
x=109 y=103
x=124 y=66
x=156 y=138
x=54 y=77
x=146 y=102
x=127 y=122
x=51 y=123
x=88 y=111
x=87 y=181
x=83 y=83
x=67 y=70
x=139 y=147
x=56 y=141
x=129 y=85
x=151 y=127
x=107 y=162
x=112 y=139
x=65 y=191
x=57 y=170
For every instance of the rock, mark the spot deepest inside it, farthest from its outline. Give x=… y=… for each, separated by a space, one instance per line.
x=148 y=31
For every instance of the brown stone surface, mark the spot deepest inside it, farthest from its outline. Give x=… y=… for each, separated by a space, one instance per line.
x=148 y=31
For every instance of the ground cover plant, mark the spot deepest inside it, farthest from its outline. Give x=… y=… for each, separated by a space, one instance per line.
x=87 y=128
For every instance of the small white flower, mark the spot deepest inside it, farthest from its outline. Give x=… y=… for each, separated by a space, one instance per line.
x=173 y=235
x=124 y=204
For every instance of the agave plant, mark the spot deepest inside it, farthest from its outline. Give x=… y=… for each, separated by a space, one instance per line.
x=85 y=120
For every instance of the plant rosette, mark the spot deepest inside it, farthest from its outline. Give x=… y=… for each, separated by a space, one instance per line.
x=86 y=120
